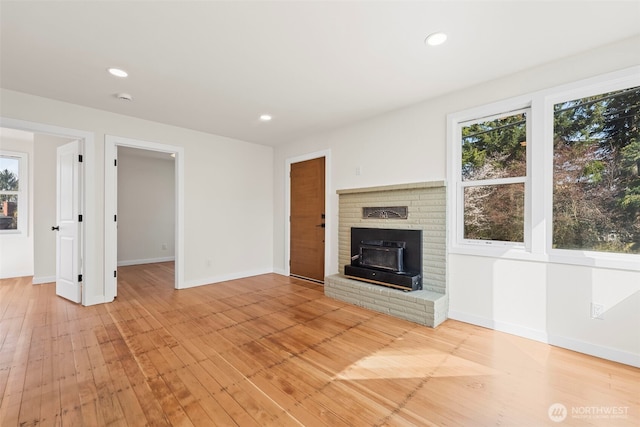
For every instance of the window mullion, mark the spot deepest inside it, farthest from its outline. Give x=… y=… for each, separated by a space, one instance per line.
x=539 y=171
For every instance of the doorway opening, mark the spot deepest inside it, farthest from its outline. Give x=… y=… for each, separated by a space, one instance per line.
x=82 y=264
x=164 y=249
x=145 y=206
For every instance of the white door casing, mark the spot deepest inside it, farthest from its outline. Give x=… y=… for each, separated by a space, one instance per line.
x=68 y=238
x=110 y=208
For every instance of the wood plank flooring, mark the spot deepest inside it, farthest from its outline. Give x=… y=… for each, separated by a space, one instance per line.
x=274 y=351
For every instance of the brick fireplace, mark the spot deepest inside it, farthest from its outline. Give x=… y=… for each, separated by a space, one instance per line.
x=425 y=205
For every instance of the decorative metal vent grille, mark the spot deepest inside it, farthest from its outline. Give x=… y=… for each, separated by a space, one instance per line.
x=392 y=212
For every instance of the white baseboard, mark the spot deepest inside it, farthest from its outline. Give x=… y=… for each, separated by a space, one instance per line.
x=125 y=263
x=542 y=336
x=39 y=280
x=521 y=331
x=596 y=350
x=14 y=274
x=509 y=328
x=280 y=271
x=472 y=319
x=224 y=278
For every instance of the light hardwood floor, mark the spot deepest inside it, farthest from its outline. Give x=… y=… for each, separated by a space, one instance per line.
x=274 y=351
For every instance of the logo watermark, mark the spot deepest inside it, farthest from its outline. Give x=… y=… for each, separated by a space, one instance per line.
x=558 y=412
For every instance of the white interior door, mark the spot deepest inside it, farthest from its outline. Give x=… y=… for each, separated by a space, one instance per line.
x=115 y=221
x=68 y=268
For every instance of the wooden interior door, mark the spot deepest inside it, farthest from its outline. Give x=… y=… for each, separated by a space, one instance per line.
x=307 y=225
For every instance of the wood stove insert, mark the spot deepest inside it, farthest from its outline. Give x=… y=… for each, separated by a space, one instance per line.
x=388 y=257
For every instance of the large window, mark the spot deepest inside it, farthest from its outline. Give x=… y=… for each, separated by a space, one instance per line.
x=550 y=176
x=596 y=182
x=493 y=172
x=12 y=191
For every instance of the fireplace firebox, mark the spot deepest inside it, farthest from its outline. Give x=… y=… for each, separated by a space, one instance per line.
x=389 y=257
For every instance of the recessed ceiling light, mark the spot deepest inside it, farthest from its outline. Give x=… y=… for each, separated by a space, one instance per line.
x=265 y=117
x=435 y=39
x=118 y=72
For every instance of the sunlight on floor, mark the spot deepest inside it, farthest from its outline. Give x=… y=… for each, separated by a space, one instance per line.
x=418 y=363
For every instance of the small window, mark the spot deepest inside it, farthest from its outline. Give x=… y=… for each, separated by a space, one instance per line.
x=493 y=175
x=13 y=192
x=596 y=162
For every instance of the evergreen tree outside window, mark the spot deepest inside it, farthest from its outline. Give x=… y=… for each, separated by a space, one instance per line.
x=12 y=191
x=596 y=180
x=493 y=176
x=550 y=176
x=581 y=199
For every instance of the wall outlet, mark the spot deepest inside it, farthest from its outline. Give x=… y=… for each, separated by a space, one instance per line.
x=358 y=170
x=208 y=263
x=163 y=246
x=597 y=310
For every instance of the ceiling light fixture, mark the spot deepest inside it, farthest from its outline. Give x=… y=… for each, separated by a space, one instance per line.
x=118 y=72
x=265 y=117
x=435 y=39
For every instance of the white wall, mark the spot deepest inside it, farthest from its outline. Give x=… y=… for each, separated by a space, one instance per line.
x=16 y=249
x=44 y=206
x=146 y=207
x=538 y=300
x=228 y=190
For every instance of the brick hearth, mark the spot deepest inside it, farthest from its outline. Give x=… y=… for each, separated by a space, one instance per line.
x=426 y=203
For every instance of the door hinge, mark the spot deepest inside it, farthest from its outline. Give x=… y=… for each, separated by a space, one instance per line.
x=115 y=218
x=79 y=218
x=115 y=273
x=80 y=158
x=115 y=162
x=79 y=277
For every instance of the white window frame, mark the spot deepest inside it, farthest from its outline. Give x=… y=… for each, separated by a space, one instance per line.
x=579 y=90
x=22 y=193
x=492 y=182
x=539 y=181
x=457 y=241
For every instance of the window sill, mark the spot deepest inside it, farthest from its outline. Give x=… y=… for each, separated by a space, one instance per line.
x=10 y=232
x=626 y=262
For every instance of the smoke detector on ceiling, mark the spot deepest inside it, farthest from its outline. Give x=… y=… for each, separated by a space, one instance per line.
x=124 y=96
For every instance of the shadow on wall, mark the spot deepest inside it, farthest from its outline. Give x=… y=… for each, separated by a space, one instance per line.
x=594 y=311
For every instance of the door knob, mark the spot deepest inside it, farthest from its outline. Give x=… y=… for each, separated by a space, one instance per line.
x=57 y=228
x=320 y=225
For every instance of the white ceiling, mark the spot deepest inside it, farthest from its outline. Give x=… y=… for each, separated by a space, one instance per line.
x=215 y=66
